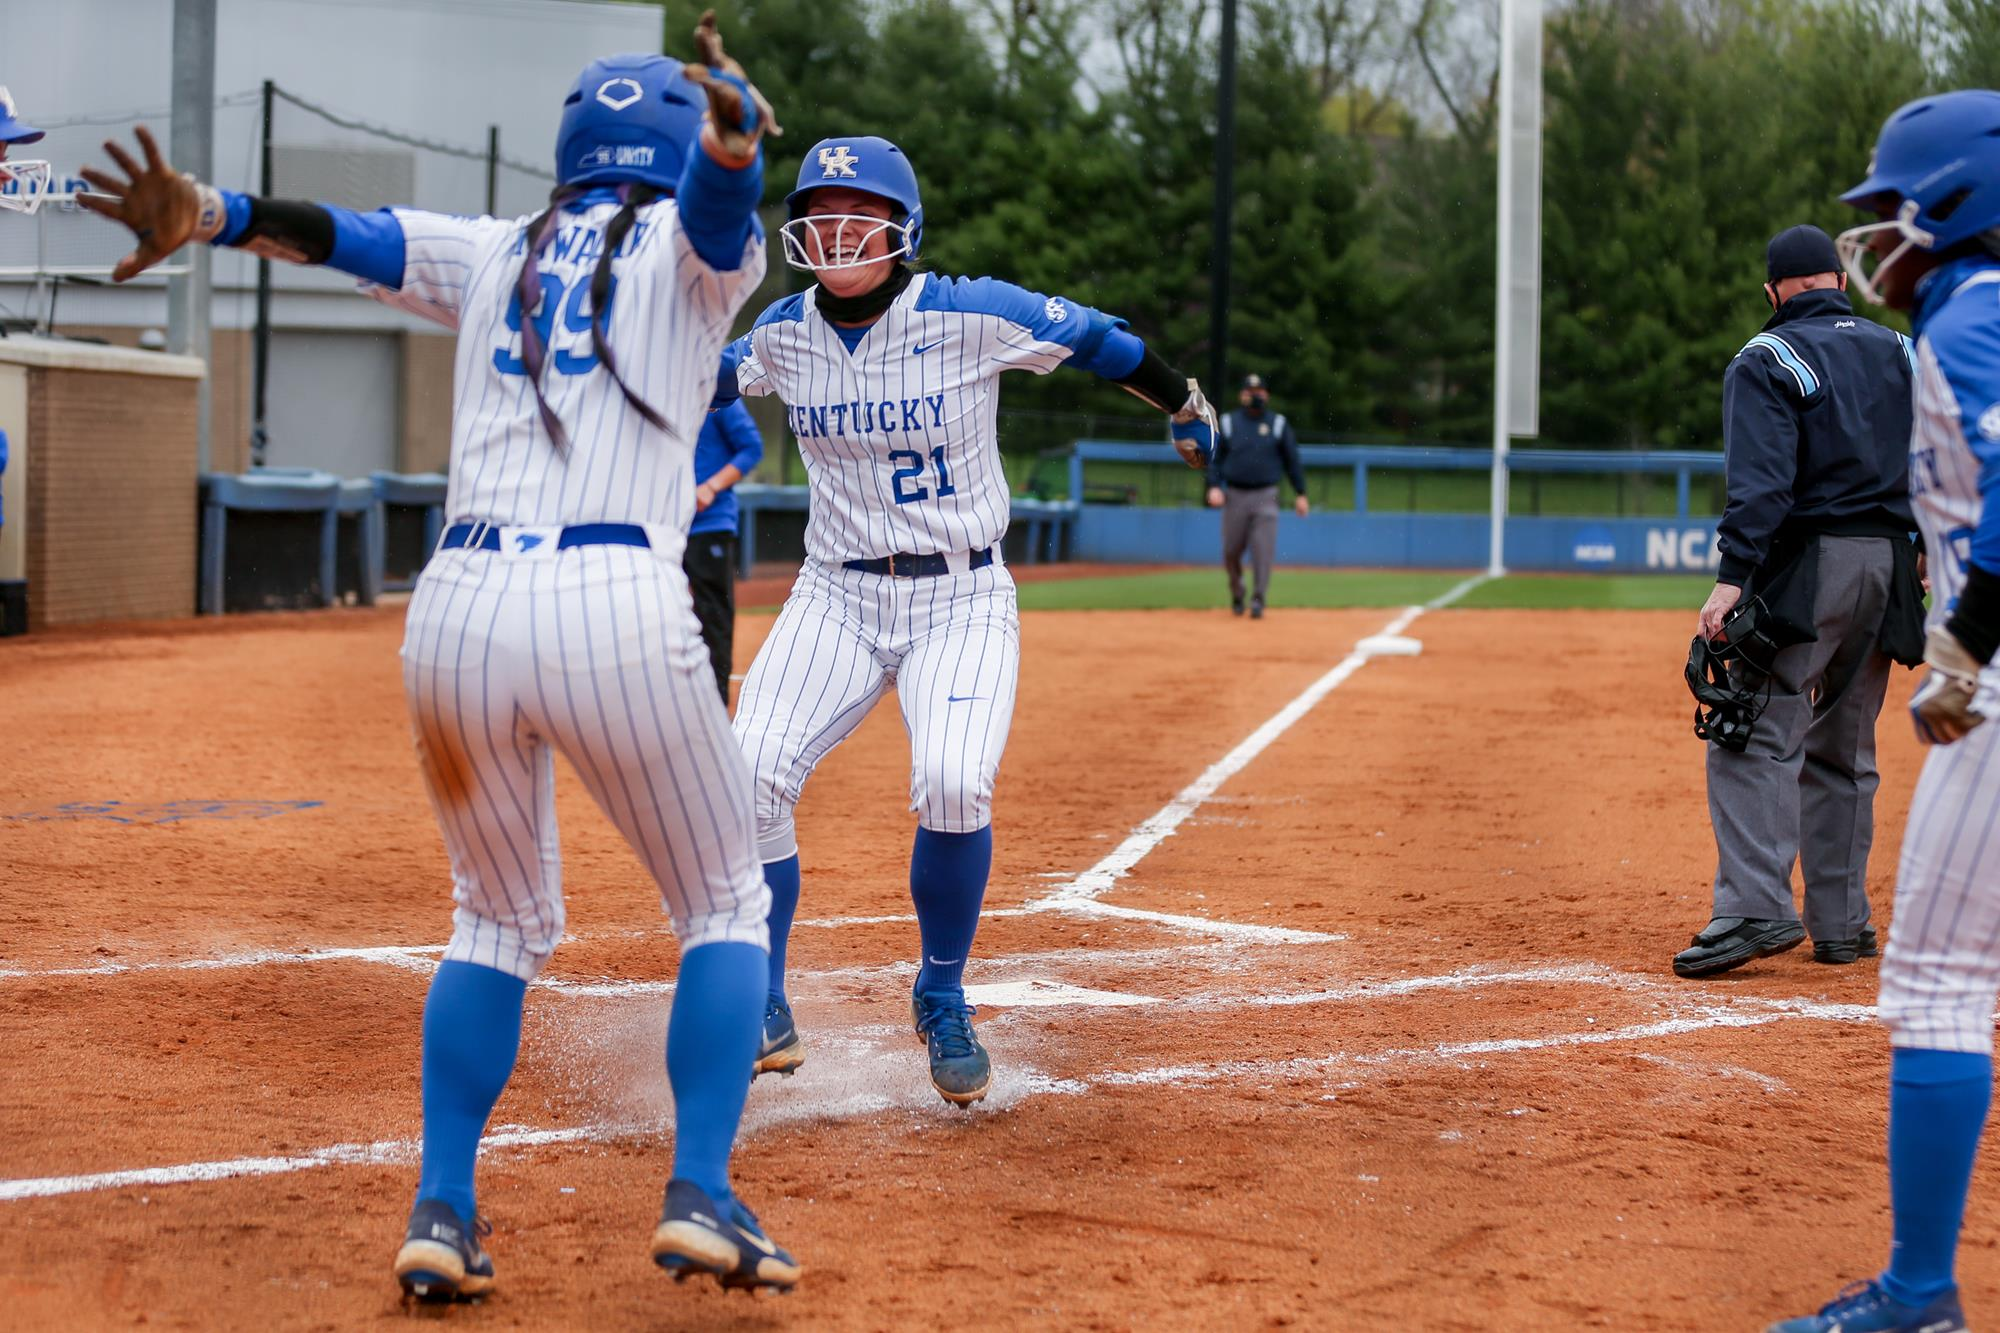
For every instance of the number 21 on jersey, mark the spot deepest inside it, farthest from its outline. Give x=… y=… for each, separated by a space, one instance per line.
x=907 y=477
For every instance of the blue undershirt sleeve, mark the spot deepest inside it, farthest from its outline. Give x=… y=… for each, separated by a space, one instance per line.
x=741 y=431
x=718 y=207
x=367 y=245
x=1116 y=355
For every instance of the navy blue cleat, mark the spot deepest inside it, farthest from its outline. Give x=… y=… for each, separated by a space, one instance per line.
x=696 y=1235
x=441 y=1258
x=783 y=1050
x=1864 y=1307
x=960 y=1070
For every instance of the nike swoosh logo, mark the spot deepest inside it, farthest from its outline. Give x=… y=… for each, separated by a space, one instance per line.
x=962 y=698
x=766 y=1246
x=921 y=348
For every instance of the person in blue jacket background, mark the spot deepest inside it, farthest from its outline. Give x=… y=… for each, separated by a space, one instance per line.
x=729 y=450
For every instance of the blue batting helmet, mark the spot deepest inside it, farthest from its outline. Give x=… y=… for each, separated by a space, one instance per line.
x=1935 y=176
x=11 y=129
x=1938 y=159
x=871 y=165
x=629 y=118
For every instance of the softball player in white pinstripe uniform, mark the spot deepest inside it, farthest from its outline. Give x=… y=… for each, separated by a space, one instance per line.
x=555 y=616
x=1935 y=180
x=890 y=379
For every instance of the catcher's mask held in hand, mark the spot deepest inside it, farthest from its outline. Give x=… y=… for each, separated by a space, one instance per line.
x=1726 y=707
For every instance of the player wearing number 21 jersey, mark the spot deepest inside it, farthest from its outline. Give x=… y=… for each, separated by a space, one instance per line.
x=890 y=380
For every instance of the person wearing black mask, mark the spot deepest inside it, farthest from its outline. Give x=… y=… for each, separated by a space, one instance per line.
x=1816 y=529
x=1255 y=446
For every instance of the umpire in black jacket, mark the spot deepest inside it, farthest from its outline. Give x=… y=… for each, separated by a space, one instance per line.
x=1816 y=419
x=1253 y=449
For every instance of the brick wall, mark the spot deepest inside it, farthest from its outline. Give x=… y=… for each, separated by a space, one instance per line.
x=112 y=495
x=427 y=366
x=229 y=371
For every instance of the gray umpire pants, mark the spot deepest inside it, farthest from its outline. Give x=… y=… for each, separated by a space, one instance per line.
x=1249 y=519
x=1804 y=788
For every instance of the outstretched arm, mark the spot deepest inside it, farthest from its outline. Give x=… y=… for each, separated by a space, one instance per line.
x=165 y=209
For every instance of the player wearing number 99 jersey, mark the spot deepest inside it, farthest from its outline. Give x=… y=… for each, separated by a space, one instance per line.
x=555 y=615
x=890 y=376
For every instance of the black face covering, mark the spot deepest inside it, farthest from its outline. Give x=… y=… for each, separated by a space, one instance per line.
x=856 y=309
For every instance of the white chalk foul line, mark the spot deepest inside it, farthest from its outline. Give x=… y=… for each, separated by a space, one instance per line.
x=1093 y=883
x=384 y=1152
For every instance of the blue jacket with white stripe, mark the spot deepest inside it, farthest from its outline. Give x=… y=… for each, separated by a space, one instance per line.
x=1816 y=428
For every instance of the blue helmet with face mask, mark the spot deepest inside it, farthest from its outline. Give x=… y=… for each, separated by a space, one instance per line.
x=1935 y=176
x=871 y=165
x=628 y=118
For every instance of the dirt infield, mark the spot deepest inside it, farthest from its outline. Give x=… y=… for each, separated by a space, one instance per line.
x=1375 y=1029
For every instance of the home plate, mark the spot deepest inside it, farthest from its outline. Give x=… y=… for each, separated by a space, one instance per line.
x=1389 y=645
x=1049 y=994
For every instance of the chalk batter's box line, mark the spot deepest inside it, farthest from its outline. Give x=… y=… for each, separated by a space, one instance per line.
x=1738 y=1014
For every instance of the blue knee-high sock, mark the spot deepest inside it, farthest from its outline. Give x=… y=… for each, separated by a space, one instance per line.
x=1937 y=1108
x=472 y=1032
x=712 y=1038
x=782 y=877
x=948 y=884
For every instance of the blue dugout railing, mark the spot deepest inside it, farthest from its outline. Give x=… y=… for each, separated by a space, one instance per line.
x=1683 y=465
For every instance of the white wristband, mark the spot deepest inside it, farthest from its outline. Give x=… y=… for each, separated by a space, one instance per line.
x=212 y=211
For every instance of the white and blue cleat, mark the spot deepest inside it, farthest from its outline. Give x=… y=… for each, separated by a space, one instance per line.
x=782 y=1050
x=441 y=1258
x=960 y=1069
x=1865 y=1307
x=696 y=1235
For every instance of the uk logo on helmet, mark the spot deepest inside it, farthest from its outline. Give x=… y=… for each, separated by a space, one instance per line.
x=619 y=93
x=837 y=161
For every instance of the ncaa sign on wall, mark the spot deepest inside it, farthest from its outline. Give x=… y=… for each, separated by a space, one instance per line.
x=1594 y=547
x=1682 y=548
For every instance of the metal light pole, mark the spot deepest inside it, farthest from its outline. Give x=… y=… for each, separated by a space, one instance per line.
x=191 y=147
x=1225 y=207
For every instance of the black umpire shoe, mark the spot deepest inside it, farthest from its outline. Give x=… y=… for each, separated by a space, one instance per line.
x=1728 y=942
x=1256 y=608
x=1846 y=951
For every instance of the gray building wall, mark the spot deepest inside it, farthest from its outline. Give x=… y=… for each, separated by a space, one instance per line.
x=439 y=70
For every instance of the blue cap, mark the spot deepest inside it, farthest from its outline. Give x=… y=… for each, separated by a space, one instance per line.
x=11 y=129
x=1799 y=251
x=628 y=118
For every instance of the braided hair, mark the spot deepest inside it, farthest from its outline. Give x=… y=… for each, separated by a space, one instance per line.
x=632 y=196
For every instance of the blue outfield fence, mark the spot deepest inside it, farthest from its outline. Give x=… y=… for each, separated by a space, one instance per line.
x=1122 y=534
x=773 y=517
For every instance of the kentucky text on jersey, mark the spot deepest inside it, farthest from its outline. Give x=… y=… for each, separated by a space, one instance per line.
x=891 y=414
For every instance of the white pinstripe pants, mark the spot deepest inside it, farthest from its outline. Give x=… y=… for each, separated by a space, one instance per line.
x=593 y=652
x=951 y=646
x=1941 y=972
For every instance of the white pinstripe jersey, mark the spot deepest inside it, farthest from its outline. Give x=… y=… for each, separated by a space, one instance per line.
x=900 y=436
x=1956 y=434
x=505 y=469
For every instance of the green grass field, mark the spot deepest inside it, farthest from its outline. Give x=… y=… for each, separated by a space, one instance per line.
x=1204 y=588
